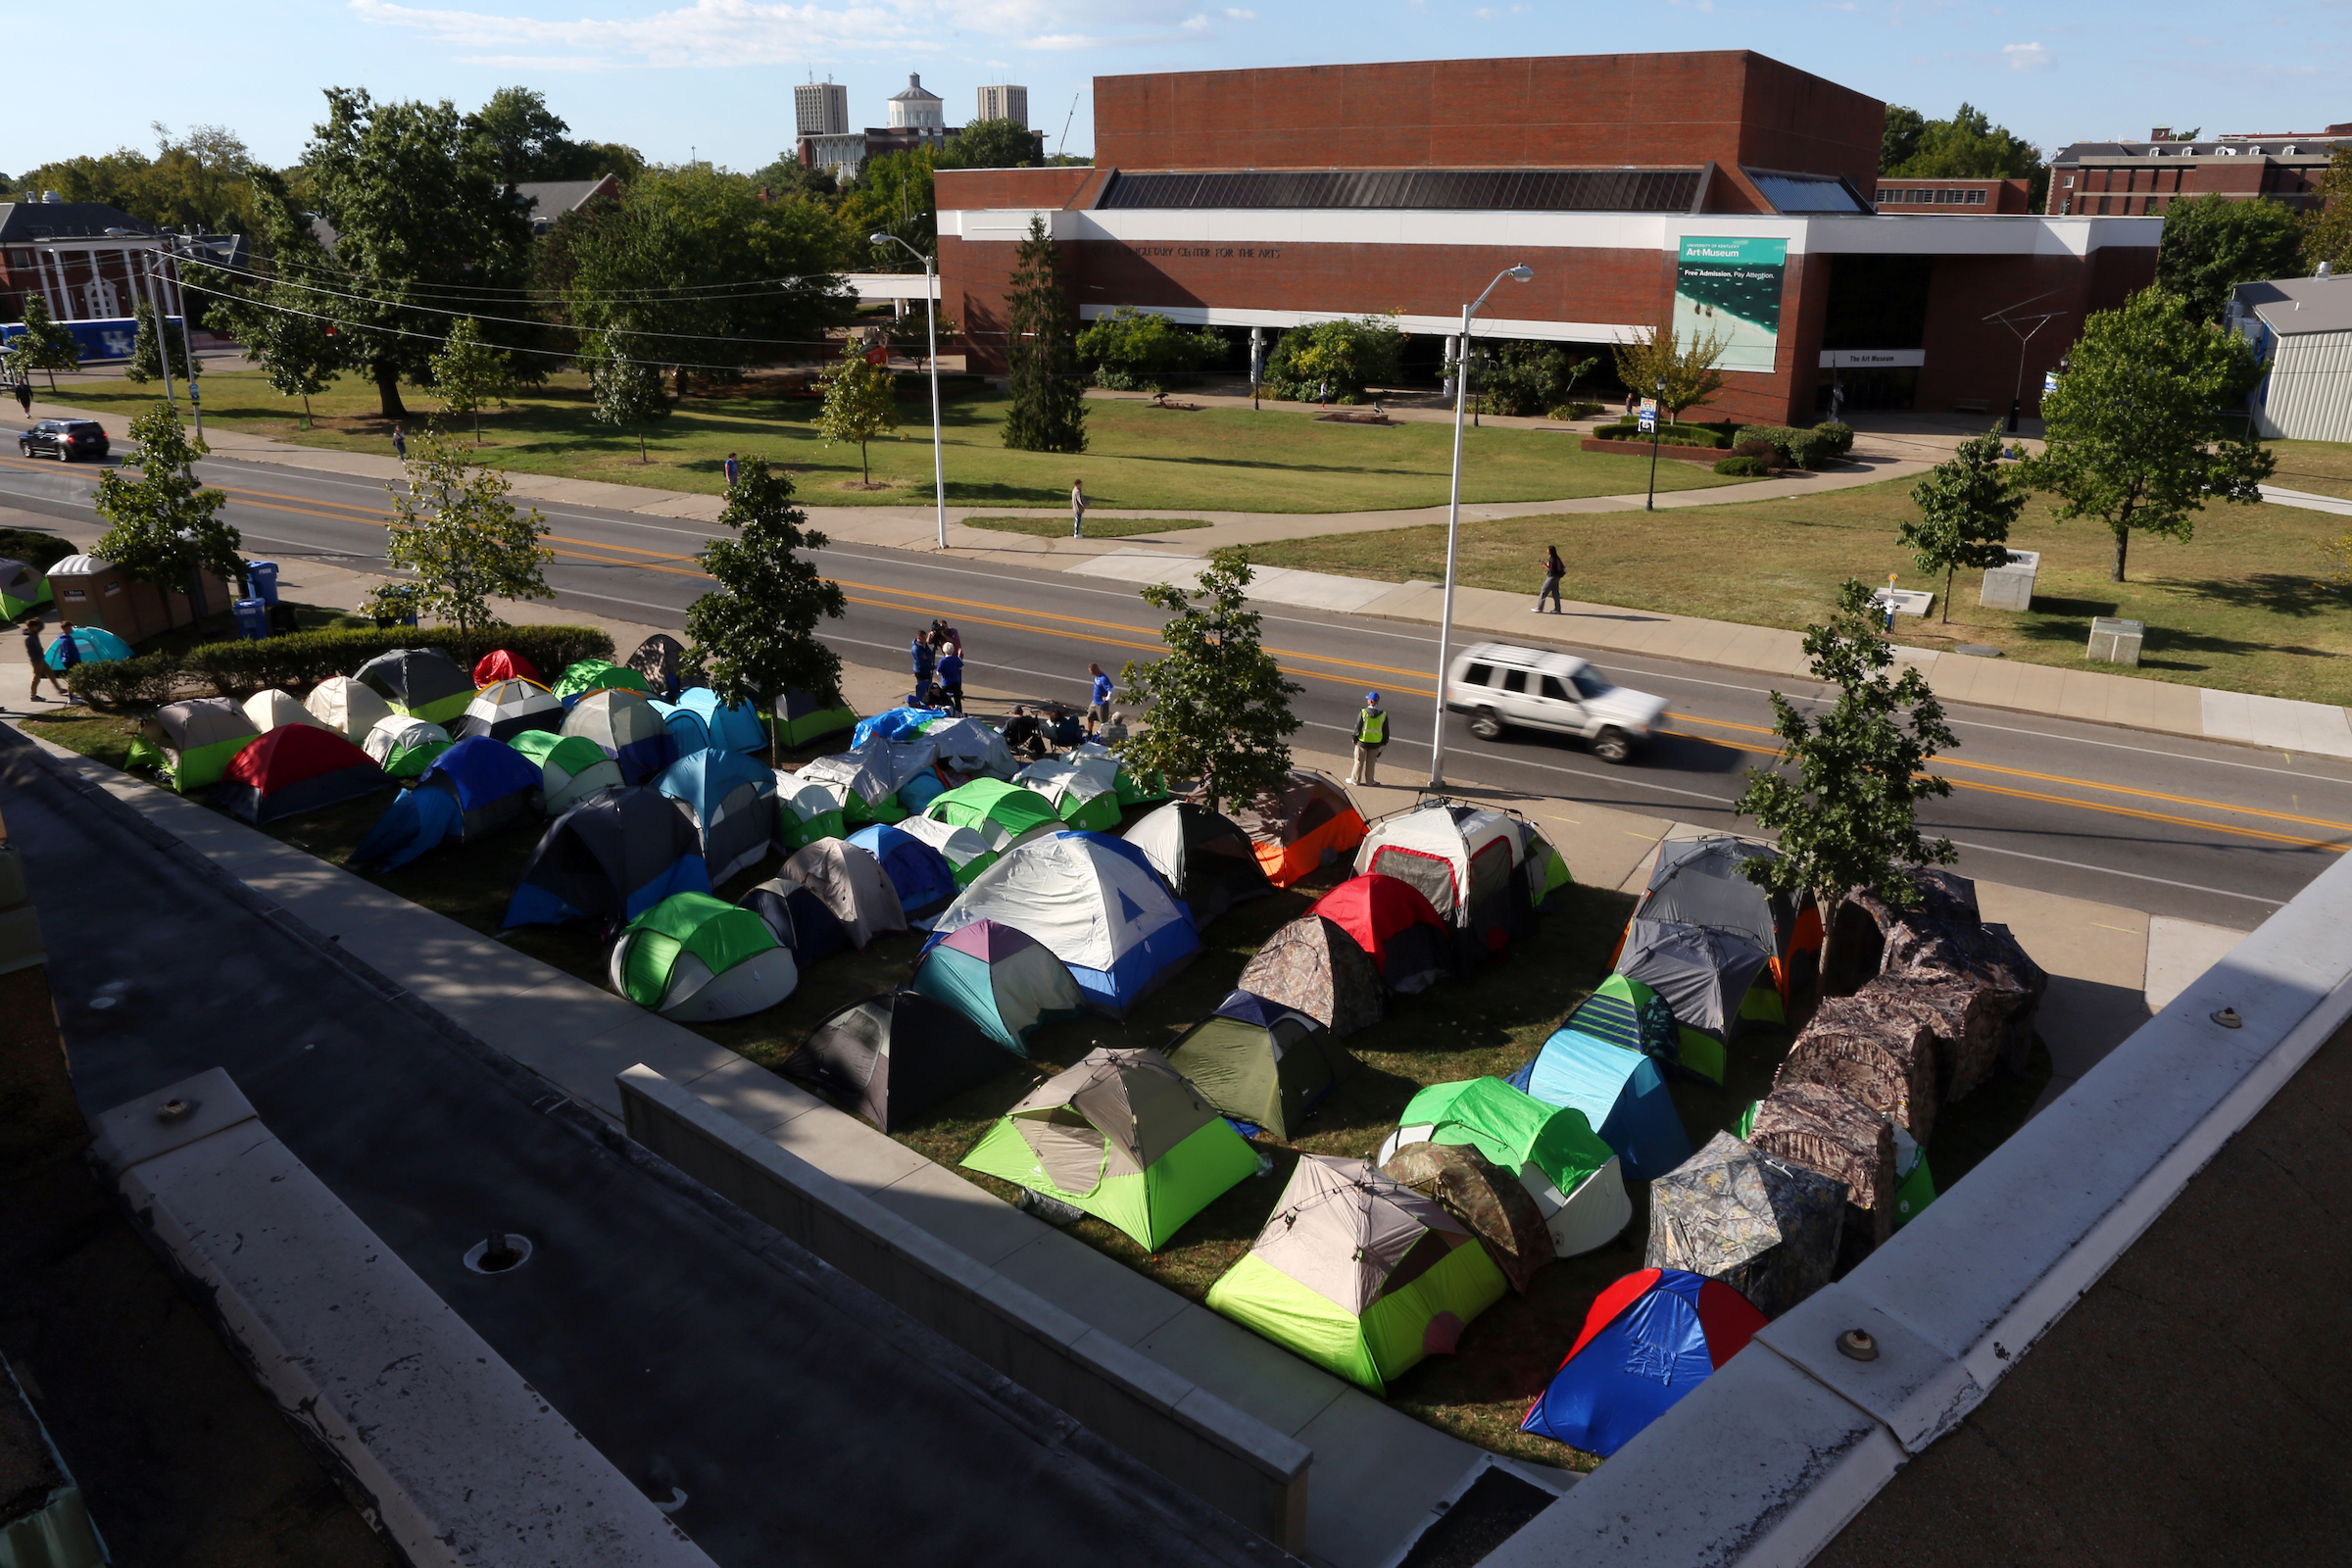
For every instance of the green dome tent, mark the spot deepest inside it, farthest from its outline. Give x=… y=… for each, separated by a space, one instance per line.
x=802 y=718
x=807 y=813
x=572 y=767
x=1359 y=1274
x=1001 y=813
x=193 y=742
x=405 y=747
x=22 y=587
x=1123 y=1137
x=1261 y=1062
x=1572 y=1175
x=1084 y=797
x=596 y=675
x=697 y=960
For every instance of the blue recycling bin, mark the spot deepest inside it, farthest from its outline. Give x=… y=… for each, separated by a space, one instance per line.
x=253 y=620
x=261 y=577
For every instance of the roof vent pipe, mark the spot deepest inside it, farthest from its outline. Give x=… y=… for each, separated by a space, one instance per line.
x=51 y=196
x=2326 y=271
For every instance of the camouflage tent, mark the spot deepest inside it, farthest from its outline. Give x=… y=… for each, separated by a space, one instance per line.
x=661 y=659
x=1833 y=1133
x=1483 y=1196
x=1316 y=967
x=1883 y=1056
x=1763 y=1225
x=1942 y=936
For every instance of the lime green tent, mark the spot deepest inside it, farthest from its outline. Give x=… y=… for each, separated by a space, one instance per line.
x=699 y=959
x=1572 y=1175
x=594 y=676
x=808 y=812
x=193 y=742
x=405 y=747
x=1359 y=1274
x=1000 y=812
x=572 y=767
x=22 y=588
x=1123 y=1137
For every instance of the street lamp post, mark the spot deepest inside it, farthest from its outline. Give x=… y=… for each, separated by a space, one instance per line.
x=1649 y=502
x=1453 y=520
x=187 y=345
x=939 y=461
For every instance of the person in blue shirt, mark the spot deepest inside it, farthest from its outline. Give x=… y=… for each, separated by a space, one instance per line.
x=1099 y=704
x=950 y=677
x=732 y=471
x=922 y=658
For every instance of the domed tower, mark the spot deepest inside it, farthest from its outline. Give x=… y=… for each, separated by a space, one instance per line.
x=917 y=108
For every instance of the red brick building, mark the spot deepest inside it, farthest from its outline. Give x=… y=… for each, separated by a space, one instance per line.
x=2095 y=178
x=1717 y=189
x=1965 y=198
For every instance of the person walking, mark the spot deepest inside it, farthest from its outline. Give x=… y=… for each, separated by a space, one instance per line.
x=950 y=678
x=1323 y=396
x=1098 y=700
x=1077 y=509
x=1371 y=735
x=40 y=666
x=732 y=471
x=24 y=390
x=1555 y=568
x=399 y=444
x=924 y=661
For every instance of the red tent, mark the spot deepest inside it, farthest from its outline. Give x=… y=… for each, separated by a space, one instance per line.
x=285 y=773
x=1395 y=925
x=498 y=664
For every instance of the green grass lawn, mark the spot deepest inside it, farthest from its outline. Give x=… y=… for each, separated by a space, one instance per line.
x=1138 y=458
x=2244 y=604
x=1489 y=1023
x=2323 y=468
x=1096 y=528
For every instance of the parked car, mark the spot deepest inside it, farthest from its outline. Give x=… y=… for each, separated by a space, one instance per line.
x=64 y=440
x=1498 y=686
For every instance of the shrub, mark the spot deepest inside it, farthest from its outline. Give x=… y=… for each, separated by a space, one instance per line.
x=1840 y=436
x=306 y=658
x=1143 y=351
x=1578 y=410
x=1524 y=379
x=1740 y=465
x=1351 y=354
x=146 y=682
x=1673 y=435
x=39 y=551
x=1763 y=452
x=1799 y=449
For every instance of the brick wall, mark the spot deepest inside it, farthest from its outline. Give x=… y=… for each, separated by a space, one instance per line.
x=1970 y=359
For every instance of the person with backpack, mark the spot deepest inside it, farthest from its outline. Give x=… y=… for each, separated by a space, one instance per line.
x=1555 y=568
x=1371 y=737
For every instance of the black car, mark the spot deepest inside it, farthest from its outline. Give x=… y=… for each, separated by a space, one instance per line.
x=64 y=440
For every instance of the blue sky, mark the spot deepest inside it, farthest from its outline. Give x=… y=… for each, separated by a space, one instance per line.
x=711 y=78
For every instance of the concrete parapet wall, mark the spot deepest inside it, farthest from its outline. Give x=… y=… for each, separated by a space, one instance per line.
x=1219 y=1453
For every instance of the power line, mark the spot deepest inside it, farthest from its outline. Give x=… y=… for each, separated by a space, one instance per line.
x=488 y=291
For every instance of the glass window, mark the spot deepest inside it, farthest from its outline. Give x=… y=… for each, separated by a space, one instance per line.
x=1479 y=675
x=1515 y=680
x=1590 y=684
x=1554 y=690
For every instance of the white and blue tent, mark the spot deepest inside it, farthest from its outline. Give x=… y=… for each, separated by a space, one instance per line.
x=1621 y=1094
x=734 y=729
x=733 y=800
x=1094 y=902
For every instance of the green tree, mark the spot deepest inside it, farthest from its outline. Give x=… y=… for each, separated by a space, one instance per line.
x=197 y=180
x=285 y=325
x=150 y=346
x=46 y=344
x=163 y=527
x=861 y=404
x=2136 y=432
x=627 y=389
x=1900 y=137
x=1966 y=507
x=1046 y=382
x=1220 y=707
x=755 y=631
x=994 y=144
x=1350 y=355
x=471 y=375
x=2214 y=243
x=1659 y=358
x=1850 y=817
x=528 y=143
x=419 y=209
x=1966 y=146
x=455 y=529
x=894 y=194
x=2328 y=226
x=1528 y=379
x=1135 y=350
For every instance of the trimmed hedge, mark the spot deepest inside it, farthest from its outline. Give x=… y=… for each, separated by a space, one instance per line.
x=1673 y=435
x=1742 y=466
x=1802 y=448
x=39 y=551
x=303 y=659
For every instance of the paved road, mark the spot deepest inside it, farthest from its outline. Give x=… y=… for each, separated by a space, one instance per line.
x=2205 y=831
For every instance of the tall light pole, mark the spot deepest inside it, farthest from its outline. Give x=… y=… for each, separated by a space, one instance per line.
x=939 y=461
x=1453 y=519
x=187 y=345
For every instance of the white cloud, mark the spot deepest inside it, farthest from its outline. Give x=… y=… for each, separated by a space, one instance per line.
x=1484 y=14
x=2026 y=56
x=1198 y=24
x=1231 y=15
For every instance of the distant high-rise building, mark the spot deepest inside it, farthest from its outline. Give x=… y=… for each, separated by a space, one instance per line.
x=820 y=109
x=1005 y=103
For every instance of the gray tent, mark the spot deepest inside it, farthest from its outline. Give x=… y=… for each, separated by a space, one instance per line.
x=971 y=748
x=1765 y=1226
x=850 y=883
x=1703 y=973
x=1699 y=882
x=873 y=771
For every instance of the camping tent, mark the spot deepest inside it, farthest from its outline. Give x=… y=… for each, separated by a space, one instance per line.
x=494 y=785
x=659 y=658
x=870 y=777
x=1700 y=882
x=1084 y=797
x=626 y=728
x=1648 y=1340
x=1096 y=902
x=1314 y=966
x=572 y=767
x=1628 y=1014
x=347 y=707
x=1123 y=1137
x=405 y=747
x=1572 y=1175
x=852 y=884
x=1765 y=1226
x=613 y=856
x=1204 y=857
x=799 y=918
x=508 y=707
x=298 y=768
x=1002 y=813
x=417 y=820
x=695 y=959
x=501 y=663
x=1395 y=925
x=1492 y=1203
x=1004 y=981
x=1261 y=1062
x=273 y=708
x=733 y=800
x=896 y=1057
x=968 y=855
x=1541 y=867
x=1463 y=859
x=193 y=741
x=95 y=644
x=22 y=587
x=802 y=719
x=1305 y=825
x=737 y=728
x=900 y=724
x=971 y=748
x=422 y=682
x=806 y=813
x=1702 y=972
x=1131 y=790
x=686 y=728
x=919 y=790
x=1359 y=1274
x=1623 y=1096
x=587 y=676
x=918 y=873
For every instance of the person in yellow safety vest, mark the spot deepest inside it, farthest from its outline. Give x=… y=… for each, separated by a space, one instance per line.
x=1371 y=734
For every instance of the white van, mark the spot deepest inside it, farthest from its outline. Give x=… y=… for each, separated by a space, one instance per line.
x=1498 y=686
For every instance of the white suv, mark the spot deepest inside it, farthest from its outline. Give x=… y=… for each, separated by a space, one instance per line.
x=1498 y=685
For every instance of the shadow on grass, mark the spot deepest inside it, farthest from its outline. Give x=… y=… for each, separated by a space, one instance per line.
x=2275 y=593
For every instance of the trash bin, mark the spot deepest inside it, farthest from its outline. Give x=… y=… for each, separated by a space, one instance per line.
x=253 y=620
x=261 y=577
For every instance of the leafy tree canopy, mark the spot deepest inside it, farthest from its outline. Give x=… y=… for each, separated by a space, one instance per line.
x=527 y=143
x=46 y=344
x=2327 y=228
x=1900 y=139
x=164 y=525
x=198 y=179
x=153 y=349
x=1350 y=356
x=469 y=373
x=994 y=144
x=625 y=384
x=455 y=529
x=1046 y=382
x=1680 y=374
x=1965 y=509
x=1966 y=146
x=1138 y=350
x=1220 y=705
x=2214 y=243
x=755 y=630
x=893 y=194
x=861 y=404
